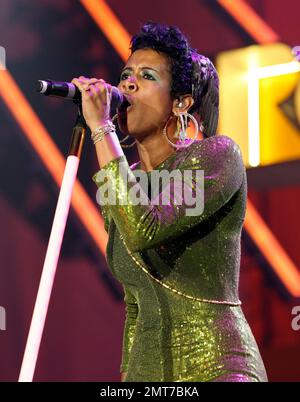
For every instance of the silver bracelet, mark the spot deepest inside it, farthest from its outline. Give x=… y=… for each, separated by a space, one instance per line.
x=101 y=131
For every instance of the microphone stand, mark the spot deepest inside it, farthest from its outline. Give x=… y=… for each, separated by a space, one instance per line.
x=53 y=250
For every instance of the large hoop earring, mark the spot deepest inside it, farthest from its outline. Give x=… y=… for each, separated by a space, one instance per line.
x=182 y=124
x=123 y=139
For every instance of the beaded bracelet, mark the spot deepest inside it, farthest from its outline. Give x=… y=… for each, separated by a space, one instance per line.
x=101 y=131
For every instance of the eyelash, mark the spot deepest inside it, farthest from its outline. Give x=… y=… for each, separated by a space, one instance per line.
x=125 y=74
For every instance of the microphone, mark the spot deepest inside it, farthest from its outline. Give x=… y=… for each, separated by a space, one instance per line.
x=70 y=91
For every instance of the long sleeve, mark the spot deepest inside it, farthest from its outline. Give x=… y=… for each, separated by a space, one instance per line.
x=106 y=217
x=147 y=224
x=129 y=328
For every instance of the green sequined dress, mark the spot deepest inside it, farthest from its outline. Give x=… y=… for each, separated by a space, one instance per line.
x=180 y=273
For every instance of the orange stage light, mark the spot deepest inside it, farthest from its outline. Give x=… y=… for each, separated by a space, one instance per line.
x=272 y=250
x=51 y=156
x=250 y=21
x=109 y=25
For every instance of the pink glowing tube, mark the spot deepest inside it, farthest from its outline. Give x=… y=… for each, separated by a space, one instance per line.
x=49 y=270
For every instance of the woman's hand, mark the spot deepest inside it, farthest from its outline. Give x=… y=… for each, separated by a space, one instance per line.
x=96 y=96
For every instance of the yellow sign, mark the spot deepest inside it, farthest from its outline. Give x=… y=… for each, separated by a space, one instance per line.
x=260 y=102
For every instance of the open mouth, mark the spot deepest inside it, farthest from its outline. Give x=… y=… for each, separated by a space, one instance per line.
x=126 y=104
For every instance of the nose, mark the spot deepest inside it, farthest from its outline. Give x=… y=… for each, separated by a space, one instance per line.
x=129 y=85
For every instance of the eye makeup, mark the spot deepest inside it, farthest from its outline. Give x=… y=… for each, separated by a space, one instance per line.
x=149 y=71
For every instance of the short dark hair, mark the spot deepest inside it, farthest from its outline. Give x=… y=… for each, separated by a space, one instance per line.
x=191 y=72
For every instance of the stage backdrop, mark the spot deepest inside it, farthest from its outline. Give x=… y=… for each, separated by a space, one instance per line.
x=57 y=39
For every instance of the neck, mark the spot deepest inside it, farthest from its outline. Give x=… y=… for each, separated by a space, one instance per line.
x=153 y=150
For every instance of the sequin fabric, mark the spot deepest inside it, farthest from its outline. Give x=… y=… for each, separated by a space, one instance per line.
x=180 y=273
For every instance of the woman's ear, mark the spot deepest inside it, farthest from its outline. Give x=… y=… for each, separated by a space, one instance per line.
x=182 y=104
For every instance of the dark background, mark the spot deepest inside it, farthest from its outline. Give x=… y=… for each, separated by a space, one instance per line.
x=82 y=340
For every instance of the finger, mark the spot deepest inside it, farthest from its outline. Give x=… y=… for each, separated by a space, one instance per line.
x=84 y=81
x=83 y=88
x=98 y=94
x=103 y=90
x=87 y=82
x=108 y=93
x=94 y=80
x=100 y=85
x=92 y=91
x=78 y=84
x=91 y=81
x=82 y=78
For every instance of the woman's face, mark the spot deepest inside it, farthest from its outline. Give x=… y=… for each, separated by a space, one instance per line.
x=146 y=80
